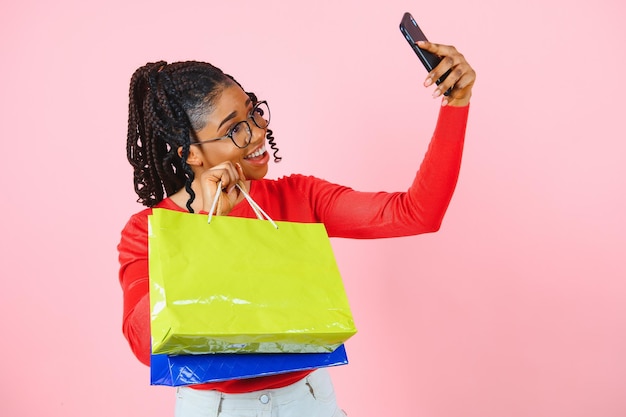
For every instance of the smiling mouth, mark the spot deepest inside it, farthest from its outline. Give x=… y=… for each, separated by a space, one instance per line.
x=256 y=153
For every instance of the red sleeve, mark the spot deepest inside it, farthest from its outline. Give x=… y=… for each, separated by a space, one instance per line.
x=133 y=257
x=353 y=214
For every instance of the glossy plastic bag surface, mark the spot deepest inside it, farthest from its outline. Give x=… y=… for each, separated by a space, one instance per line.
x=177 y=370
x=240 y=285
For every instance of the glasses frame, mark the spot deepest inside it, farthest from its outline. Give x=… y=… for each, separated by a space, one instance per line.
x=246 y=124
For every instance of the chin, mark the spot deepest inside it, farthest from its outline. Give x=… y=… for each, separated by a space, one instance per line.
x=256 y=174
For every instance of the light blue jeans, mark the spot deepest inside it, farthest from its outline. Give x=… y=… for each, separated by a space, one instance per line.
x=313 y=396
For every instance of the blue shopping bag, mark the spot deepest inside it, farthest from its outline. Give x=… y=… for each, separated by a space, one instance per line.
x=178 y=370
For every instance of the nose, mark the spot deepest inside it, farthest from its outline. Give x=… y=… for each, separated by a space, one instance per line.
x=258 y=134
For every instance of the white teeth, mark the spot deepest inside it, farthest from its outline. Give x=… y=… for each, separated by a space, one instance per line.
x=256 y=153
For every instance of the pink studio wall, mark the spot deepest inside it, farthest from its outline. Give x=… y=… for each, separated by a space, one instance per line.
x=517 y=307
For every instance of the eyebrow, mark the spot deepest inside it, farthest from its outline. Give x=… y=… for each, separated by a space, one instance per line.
x=233 y=114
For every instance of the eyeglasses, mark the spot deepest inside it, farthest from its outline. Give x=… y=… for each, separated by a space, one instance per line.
x=241 y=133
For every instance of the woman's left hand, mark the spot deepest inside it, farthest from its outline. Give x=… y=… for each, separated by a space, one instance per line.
x=461 y=78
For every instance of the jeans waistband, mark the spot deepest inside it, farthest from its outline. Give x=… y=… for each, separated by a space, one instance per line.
x=219 y=400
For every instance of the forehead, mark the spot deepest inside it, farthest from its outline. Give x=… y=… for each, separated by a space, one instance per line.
x=231 y=99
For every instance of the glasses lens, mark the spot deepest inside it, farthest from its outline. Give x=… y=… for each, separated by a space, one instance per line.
x=241 y=134
x=261 y=115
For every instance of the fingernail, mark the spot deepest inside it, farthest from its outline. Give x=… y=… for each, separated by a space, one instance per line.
x=428 y=82
x=444 y=102
x=436 y=93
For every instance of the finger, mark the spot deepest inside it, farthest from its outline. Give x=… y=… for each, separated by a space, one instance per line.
x=461 y=79
x=462 y=91
x=466 y=81
x=212 y=177
x=450 y=63
x=452 y=77
x=437 y=49
x=460 y=76
x=449 y=55
x=232 y=177
x=239 y=169
x=226 y=172
x=232 y=194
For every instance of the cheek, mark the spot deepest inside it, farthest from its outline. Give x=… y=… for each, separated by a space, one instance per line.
x=223 y=153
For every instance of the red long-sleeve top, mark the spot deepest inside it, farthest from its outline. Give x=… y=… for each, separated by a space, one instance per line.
x=344 y=212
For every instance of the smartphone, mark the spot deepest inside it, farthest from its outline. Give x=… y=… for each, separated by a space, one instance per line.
x=413 y=33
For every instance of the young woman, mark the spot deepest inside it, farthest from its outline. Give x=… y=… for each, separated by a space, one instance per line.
x=191 y=127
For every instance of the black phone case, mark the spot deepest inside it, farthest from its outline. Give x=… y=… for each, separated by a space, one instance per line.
x=412 y=33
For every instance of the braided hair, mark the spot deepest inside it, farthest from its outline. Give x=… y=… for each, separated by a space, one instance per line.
x=168 y=103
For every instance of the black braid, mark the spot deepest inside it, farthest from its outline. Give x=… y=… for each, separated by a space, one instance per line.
x=168 y=103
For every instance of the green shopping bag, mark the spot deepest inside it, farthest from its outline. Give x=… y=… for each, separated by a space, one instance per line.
x=242 y=285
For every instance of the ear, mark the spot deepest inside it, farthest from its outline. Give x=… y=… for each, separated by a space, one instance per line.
x=195 y=156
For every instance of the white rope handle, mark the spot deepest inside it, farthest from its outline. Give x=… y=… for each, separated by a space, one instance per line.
x=217 y=197
x=257 y=209
x=260 y=214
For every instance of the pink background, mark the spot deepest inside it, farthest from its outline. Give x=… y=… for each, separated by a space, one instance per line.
x=517 y=307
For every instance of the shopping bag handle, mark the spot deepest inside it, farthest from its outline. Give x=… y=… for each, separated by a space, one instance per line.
x=260 y=214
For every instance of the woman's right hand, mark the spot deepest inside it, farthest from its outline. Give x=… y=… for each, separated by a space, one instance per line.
x=229 y=174
x=461 y=78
